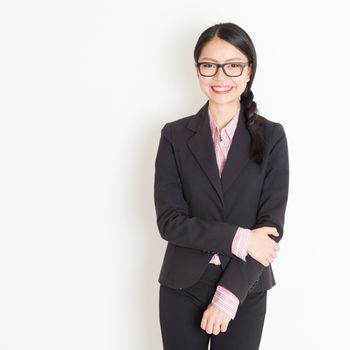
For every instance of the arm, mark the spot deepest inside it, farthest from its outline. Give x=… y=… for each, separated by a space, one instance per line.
x=239 y=276
x=240 y=243
x=225 y=301
x=223 y=298
x=173 y=220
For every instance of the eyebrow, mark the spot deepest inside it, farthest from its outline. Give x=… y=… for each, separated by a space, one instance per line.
x=230 y=59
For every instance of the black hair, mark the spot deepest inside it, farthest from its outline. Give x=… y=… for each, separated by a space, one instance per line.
x=236 y=36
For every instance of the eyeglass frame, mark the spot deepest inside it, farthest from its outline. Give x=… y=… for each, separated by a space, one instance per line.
x=222 y=65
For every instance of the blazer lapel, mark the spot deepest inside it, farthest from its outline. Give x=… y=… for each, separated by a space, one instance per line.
x=202 y=147
x=238 y=154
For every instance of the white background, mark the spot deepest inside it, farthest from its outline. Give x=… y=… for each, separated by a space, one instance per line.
x=85 y=87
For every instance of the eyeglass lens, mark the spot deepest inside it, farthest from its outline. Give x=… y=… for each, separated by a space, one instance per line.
x=232 y=69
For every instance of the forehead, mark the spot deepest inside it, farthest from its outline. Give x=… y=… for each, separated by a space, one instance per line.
x=221 y=50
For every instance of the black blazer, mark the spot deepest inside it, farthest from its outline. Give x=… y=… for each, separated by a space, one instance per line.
x=198 y=212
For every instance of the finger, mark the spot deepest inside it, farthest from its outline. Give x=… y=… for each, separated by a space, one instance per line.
x=204 y=321
x=263 y=261
x=223 y=327
x=216 y=328
x=275 y=233
x=210 y=325
x=270 y=229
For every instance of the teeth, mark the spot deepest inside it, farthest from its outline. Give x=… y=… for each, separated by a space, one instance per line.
x=221 y=88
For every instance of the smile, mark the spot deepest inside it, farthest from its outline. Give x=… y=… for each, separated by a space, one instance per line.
x=221 y=89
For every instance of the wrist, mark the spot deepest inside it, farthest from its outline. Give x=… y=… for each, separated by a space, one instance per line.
x=249 y=242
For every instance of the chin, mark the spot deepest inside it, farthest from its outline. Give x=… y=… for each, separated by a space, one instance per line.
x=223 y=99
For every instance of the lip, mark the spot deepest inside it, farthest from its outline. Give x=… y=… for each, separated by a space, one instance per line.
x=221 y=86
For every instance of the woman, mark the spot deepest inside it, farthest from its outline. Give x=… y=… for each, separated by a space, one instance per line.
x=220 y=191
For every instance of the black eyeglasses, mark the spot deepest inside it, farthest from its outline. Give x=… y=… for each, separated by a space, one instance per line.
x=232 y=69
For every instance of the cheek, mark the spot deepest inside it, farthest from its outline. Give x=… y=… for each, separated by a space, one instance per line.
x=241 y=84
x=205 y=85
x=204 y=82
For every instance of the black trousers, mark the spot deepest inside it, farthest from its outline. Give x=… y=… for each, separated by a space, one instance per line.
x=181 y=311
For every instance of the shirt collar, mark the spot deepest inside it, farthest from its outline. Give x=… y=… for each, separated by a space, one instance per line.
x=229 y=128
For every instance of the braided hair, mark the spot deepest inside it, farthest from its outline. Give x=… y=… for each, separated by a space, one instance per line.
x=236 y=36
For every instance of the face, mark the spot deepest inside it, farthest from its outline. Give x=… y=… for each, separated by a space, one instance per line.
x=220 y=51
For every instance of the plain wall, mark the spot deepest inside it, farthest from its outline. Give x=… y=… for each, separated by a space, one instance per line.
x=86 y=87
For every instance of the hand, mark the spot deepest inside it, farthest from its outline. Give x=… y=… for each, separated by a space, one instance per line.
x=261 y=247
x=214 y=320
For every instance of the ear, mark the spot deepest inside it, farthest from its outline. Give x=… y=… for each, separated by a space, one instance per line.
x=249 y=72
x=196 y=68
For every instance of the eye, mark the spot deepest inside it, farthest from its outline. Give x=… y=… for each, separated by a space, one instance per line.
x=234 y=65
x=208 y=65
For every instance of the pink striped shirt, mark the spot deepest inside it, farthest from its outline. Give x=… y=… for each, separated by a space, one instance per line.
x=222 y=139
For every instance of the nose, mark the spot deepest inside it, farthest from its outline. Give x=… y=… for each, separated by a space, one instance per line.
x=220 y=75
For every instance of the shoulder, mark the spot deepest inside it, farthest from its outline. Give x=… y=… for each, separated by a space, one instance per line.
x=272 y=131
x=177 y=128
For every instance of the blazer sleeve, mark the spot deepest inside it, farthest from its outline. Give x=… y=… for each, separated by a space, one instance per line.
x=239 y=276
x=173 y=220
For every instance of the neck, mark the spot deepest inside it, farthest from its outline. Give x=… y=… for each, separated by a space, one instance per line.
x=223 y=113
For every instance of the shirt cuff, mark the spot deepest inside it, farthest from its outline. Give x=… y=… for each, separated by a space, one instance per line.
x=240 y=243
x=226 y=301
